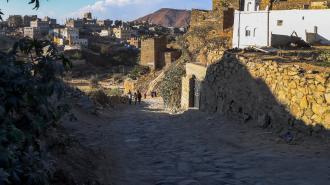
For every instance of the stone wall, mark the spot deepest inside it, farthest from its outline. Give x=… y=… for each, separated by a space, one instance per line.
x=293 y=4
x=152 y=52
x=276 y=95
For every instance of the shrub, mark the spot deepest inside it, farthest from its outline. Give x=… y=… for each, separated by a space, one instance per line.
x=100 y=97
x=138 y=71
x=94 y=81
x=30 y=94
x=115 y=92
x=170 y=88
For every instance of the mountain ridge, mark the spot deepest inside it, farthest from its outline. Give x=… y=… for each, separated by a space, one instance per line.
x=168 y=17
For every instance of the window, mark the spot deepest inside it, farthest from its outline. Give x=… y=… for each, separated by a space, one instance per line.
x=279 y=22
x=248 y=6
x=247 y=33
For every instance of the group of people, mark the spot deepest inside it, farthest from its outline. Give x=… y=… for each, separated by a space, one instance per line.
x=136 y=97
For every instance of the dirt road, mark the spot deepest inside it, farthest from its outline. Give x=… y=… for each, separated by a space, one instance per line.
x=143 y=145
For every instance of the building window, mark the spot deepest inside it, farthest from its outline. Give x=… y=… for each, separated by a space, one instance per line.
x=248 y=6
x=247 y=33
x=279 y=22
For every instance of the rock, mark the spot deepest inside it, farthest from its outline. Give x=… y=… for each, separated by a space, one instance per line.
x=304 y=103
x=320 y=88
x=327 y=97
x=292 y=85
x=320 y=79
x=318 y=109
x=317 y=118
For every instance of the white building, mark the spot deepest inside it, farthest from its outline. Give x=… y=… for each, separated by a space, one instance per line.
x=80 y=42
x=105 y=33
x=254 y=27
x=31 y=32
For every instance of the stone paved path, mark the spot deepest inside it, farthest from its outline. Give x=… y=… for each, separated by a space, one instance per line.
x=143 y=145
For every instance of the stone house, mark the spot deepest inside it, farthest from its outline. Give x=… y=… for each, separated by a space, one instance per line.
x=152 y=52
x=42 y=26
x=123 y=33
x=134 y=41
x=15 y=21
x=171 y=55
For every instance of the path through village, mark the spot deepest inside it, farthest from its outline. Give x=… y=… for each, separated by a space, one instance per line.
x=144 y=145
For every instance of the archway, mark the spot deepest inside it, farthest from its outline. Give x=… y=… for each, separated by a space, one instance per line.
x=194 y=92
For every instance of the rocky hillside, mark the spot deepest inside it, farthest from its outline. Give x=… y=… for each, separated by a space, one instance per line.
x=168 y=18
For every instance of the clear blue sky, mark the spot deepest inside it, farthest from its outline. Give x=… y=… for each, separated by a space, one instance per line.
x=112 y=9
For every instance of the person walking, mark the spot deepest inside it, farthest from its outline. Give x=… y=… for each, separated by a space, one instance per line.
x=135 y=98
x=139 y=96
x=129 y=94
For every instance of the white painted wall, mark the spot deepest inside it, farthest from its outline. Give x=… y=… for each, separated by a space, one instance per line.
x=300 y=21
x=256 y=23
x=251 y=5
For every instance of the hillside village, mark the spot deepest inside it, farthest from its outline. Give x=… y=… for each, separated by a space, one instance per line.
x=240 y=95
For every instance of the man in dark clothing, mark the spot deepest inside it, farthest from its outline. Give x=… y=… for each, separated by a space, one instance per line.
x=139 y=96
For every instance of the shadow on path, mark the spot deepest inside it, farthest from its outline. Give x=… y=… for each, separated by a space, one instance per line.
x=143 y=145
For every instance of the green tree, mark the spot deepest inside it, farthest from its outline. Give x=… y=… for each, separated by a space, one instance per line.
x=30 y=102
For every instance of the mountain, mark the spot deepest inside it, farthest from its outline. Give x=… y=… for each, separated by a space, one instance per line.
x=168 y=18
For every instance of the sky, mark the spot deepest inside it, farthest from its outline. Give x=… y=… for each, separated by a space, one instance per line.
x=102 y=9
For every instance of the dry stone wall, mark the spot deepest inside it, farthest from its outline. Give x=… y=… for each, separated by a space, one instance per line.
x=271 y=94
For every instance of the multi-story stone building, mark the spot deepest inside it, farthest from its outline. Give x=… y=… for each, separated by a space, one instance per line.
x=88 y=16
x=171 y=55
x=134 y=41
x=32 y=32
x=72 y=23
x=28 y=18
x=152 y=52
x=15 y=21
x=123 y=33
x=43 y=26
x=104 y=23
x=68 y=36
x=52 y=22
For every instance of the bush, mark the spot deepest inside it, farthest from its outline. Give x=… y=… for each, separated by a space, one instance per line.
x=115 y=92
x=138 y=71
x=324 y=58
x=30 y=94
x=170 y=88
x=100 y=97
x=94 y=81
